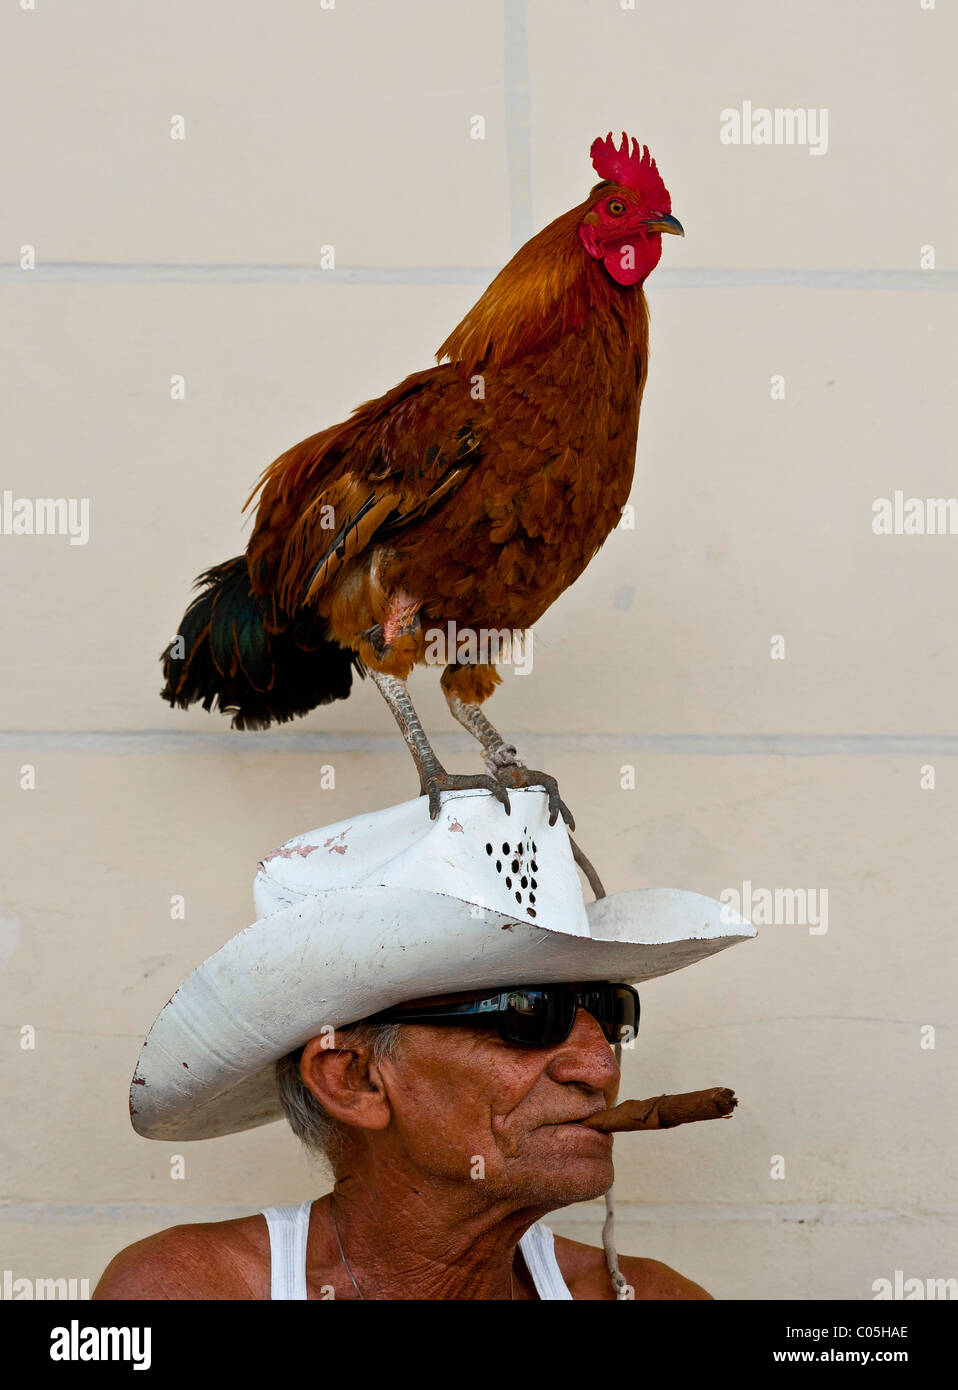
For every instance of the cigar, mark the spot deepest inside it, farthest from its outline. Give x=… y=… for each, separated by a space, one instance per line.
x=664 y=1112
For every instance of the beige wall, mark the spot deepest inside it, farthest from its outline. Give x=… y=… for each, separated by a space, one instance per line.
x=157 y=257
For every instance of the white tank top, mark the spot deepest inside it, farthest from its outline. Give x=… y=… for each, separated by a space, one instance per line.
x=289 y=1228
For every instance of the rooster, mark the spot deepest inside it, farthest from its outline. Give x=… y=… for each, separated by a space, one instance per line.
x=472 y=494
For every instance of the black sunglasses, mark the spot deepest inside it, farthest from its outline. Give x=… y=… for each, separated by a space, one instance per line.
x=534 y=1015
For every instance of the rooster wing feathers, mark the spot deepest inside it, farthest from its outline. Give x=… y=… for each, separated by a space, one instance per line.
x=333 y=496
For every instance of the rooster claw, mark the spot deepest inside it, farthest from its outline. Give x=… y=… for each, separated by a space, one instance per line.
x=438 y=782
x=515 y=776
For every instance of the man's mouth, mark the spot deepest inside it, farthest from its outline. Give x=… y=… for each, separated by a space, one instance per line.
x=575 y=1122
x=582 y=1129
x=574 y=1119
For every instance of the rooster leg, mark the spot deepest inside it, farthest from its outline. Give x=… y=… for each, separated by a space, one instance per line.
x=502 y=760
x=433 y=777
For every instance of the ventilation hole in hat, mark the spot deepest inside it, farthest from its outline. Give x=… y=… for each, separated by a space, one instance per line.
x=498 y=866
x=531 y=911
x=532 y=897
x=524 y=881
x=518 y=897
x=505 y=848
x=488 y=849
x=535 y=883
x=535 y=867
x=534 y=850
x=515 y=866
x=508 y=882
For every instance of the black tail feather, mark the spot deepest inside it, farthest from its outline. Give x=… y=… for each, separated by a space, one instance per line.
x=224 y=657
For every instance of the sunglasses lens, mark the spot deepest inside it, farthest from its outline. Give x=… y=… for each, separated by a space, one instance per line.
x=544 y=1017
x=626 y=1014
x=614 y=1008
x=536 y=1017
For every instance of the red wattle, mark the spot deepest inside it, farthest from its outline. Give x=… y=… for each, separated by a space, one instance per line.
x=646 y=253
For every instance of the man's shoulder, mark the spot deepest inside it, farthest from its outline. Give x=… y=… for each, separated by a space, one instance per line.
x=204 y=1260
x=584 y=1270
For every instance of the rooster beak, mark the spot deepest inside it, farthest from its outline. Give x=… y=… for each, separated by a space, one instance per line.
x=665 y=224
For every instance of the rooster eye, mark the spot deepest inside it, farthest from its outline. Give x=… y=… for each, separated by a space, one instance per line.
x=616 y=207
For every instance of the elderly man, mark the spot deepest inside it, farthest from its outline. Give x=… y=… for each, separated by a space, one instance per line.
x=448 y=1145
x=452 y=1120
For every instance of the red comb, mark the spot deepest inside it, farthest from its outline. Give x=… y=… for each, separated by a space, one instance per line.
x=634 y=168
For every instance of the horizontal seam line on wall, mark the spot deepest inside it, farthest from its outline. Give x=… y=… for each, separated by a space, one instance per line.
x=693 y=277
x=822 y=1213
x=711 y=745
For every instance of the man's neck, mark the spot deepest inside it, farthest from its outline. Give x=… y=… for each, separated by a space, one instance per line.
x=430 y=1241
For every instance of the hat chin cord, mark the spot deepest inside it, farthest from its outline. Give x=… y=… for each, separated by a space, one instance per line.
x=619 y=1281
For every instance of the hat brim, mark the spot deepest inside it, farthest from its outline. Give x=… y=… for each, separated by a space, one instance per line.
x=207 y=1067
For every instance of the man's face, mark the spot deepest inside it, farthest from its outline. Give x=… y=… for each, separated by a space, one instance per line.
x=467 y=1105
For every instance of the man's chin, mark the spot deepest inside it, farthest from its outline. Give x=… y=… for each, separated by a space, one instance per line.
x=562 y=1187
x=574 y=1167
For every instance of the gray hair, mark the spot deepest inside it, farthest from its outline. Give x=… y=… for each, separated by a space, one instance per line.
x=309 y=1121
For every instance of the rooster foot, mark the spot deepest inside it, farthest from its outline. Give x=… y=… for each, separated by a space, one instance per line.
x=508 y=769
x=441 y=781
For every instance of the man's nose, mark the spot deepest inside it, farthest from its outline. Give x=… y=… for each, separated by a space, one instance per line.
x=585 y=1056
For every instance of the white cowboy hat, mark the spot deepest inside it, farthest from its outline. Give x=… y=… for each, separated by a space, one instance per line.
x=387 y=907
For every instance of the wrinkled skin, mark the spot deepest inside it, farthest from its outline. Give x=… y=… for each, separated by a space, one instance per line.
x=450 y=1150
x=451 y=1103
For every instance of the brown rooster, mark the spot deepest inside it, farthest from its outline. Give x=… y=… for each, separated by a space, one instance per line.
x=472 y=494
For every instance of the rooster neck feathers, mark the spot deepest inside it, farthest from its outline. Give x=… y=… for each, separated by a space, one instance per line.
x=548 y=290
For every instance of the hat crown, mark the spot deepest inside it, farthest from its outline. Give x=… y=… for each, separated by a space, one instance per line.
x=518 y=865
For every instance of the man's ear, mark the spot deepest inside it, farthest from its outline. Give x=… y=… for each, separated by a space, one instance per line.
x=346 y=1081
